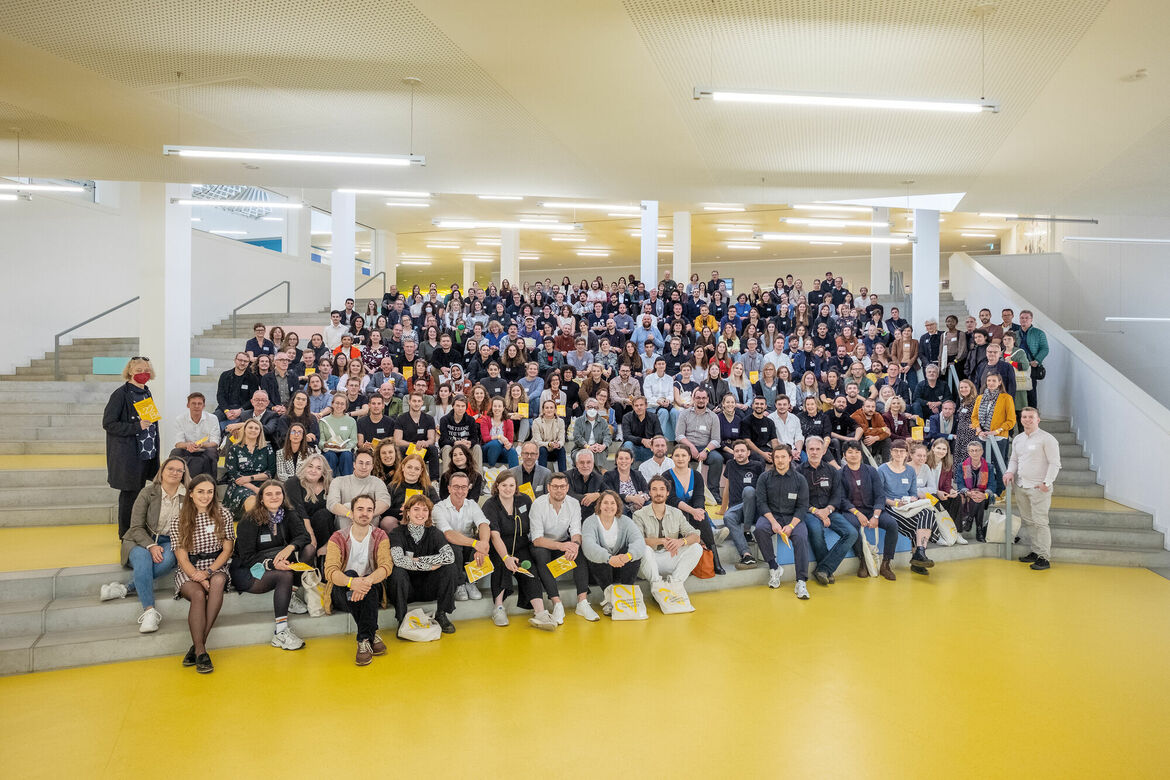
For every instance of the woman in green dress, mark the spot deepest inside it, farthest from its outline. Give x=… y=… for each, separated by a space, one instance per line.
x=248 y=465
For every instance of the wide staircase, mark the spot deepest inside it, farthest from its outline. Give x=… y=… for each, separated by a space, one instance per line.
x=54 y=502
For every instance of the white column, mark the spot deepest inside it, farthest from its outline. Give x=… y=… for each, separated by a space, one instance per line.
x=343 y=264
x=468 y=275
x=300 y=233
x=649 y=269
x=682 y=247
x=509 y=256
x=879 y=256
x=164 y=257
x=924 y=284
x=384 y=253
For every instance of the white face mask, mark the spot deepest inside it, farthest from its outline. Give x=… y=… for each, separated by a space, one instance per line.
x=590 y=413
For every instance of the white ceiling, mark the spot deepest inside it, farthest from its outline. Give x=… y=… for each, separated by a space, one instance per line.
x=593 y=98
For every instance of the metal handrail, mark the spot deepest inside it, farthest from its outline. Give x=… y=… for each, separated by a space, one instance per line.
x=57 y=338
x=1008 y=536
x=287 y=301
x=372 y=278
x=953 y=377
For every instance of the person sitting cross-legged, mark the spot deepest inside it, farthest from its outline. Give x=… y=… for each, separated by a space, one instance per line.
x=357 y=562
x=612 y=544
x=424 y=567
x=673 y=546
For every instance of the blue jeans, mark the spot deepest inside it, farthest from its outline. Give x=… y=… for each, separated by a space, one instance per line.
x=667 y=418
x=341 y=461
x=995 y=475
x=829 y=559
x=641 y=454
x=146 y=571
x=560 y=457
x=494 y=452
x=734 y=516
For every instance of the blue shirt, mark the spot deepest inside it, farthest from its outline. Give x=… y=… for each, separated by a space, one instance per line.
x=898 y=485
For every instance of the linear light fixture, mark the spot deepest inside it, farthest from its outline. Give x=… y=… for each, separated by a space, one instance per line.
x=415 y=262
x=272 y=219
x=735 y=229
x=238 y=204
x=813 y=222
x=538 y=218
x=723 y=207
x=979 y=235
x=826 y=243
x=1055 y=219
x=500 y=197
x=193 y=219
x=388 y=193
x=444 y=246
x=474 y=224
x=41 y=188
x=468 y=259
x=893 y=240
x=665 y=250
x=6 y=196
x=285 y=155
x=1137 y=319
x=741 y=245
x=829 y=100
x=615 y=207
x=574 y=239
x=833 y=207
x=1117 y=240
x=405 y=204
x=488 y=242
x=998 y=215
x=229 y=232
x=592 y=253
x=523 y=256
x=622 y=215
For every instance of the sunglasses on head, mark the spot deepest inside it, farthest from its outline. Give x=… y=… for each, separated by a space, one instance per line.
x=140 y=357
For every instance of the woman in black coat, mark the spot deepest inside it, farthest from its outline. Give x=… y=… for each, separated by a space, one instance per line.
x=132 y=444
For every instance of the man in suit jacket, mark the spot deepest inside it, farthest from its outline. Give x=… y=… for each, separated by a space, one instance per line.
x=531 y=472
x=863 y=501
x=592 y=432
x=943 y=425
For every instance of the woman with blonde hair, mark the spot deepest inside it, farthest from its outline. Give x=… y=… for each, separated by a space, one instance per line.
x=411 y=478
x=307 y=491
x=247 y=465
x=132 y=443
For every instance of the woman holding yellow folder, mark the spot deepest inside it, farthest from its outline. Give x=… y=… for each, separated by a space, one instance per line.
x=509 y=514
x=130 y=420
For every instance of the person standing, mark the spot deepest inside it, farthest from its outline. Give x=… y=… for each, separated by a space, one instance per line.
x=1035 y=343
x=1033 y=467
x=132 y=446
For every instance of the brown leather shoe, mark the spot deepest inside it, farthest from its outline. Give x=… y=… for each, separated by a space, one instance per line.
x=862 y=570
x=377 y=645
x=365 y=653
x=886 y=571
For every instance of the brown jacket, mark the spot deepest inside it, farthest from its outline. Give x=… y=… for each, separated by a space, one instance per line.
x=337 y=551
x=871 y=426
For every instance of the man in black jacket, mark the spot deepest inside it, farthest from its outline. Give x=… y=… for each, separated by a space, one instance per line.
x=930 y=393
x=233 y=396
x=782 y=502
x=585 y=482
x=824 y=498
x=639 y=429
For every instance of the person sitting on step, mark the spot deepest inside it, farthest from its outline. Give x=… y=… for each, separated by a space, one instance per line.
x=203 y=536
x=357 y=562
x=673 y=546
x=508 y=512
x=424 y=564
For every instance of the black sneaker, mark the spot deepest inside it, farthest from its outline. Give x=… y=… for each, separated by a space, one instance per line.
x=919 y=558
x=821 y=576
x=1029 y=558
x=203 y=664
x=189 y=658
x=444 y=623
x=919 y=570
x=746 y=562
x=1041 y=564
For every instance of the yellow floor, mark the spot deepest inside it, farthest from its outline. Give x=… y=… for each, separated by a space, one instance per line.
x=21 y=462
x=986 y=669
x=50 y=547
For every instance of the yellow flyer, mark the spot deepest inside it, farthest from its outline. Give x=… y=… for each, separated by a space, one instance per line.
x=412 y=492
x=753 y=376
x=147 y=410
x=310 y=371
x=526 y=489
x=411 y=449
x=558 y=566
x=560 y=410
x=916 y=433
x=408 y=372
x=300 y=567
x=478 y=572
x=522 y=409
x=375 y=442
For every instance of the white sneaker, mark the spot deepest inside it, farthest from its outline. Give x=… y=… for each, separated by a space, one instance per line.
x=543 y=620
x=149 y=620
x=296 y=606
x=585 y=609
x=721 y=534
x=961 y=540
x=115 y=590
x=473 y=591
x=500 y=616
x=287 y=640
x=558 y=613
x=774 y=577
x=607 y=609
x=461 y=592
x=801 y=590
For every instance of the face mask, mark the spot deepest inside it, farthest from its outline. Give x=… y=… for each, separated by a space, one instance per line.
x=590 y=413
x=141 y=378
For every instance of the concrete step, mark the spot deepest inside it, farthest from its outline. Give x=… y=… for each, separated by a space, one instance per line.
x=1107 y=538
x=77 y=421
x=15 y=410
x=79 y=432
x=1055 y=426
x=1071 y=451
x=1078 y=491
x=1073 y=463
x=64 y=514
x=1065 y=437
x=1076 y=477
x=59 y=495
x=72 y=447
x=1095 y=518
x=1117 y=556
x=52 y=478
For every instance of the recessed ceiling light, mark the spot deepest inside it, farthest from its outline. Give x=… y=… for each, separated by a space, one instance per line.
x=443 y=246
x=388 y=193
x=524 y=256
x=473 y=259
x=538 y=218
x=574 y=239
x=741 y=245
x=404 y=204
x=282 y=155
x=735 y=229
x=415 y=262
x=592 y=253
x=615 y=207
x=858 y=239
x=229 y=232
x=488 y=242
x=491 y=223
x=500 y=197
x=623 y=215
x=978 y=235
x=811 y=222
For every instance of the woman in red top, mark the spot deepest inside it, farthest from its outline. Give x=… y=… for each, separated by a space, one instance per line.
x=478 y=401
x=498 y=436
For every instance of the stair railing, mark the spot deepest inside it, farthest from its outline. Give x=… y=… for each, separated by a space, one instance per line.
x=57 y=338
x=372 y=278
x=287 y=302
x=991 y=451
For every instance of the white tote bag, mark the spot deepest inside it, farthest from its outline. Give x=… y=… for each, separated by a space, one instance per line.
x=870 y=553
x=996 y=519
x=672 y=597
x=314 y=597
x=948 y=534
x=626 y=602
x=418 y=626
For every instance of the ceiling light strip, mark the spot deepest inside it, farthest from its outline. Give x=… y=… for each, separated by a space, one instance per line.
x=829 y=100
x=287 y=155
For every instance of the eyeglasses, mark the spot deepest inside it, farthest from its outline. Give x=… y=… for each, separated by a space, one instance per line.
x=140 y=357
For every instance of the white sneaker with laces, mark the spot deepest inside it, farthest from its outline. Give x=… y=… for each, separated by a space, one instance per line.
x=297 y=606
x=461 y=592
x=149 y=621
x=115 y=590
x=558 y=613
x=543 y=620
x=500 y=616
x=287 y=640
x=801 y=590
x=473 y=592
x=721 y=534
x=774 y=577
x=607 y=608
x=585 y=609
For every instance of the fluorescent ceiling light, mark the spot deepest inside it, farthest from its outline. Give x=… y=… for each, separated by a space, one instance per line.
x=833 y=207
x=272 y=219
x=665 y=250
x=238 y=204
x=500 y=197
x=575 y=239
x=196 y=219
x=443 y=246
x=894 y=240
x=538 y=218
x=5 y=196
x=488 y=242
x=979 y=235
x=723 y=207
x=41 y=187
x=592 y=207
x=998 y=215
x=229 y=232
x=842 y=101
x=826 y=243
x=415 y=262
x=529 y=257
x=592 y=253
x=1055 y=219
x=733 y=245
x=622 y=215
x=407 y=205
x=405 y=256
x=833 y=222
x=735 y=229
x=388 y=193
x=470 y=259
x=1137 y=319
x=1105 y=240
x=481 y=223
x=638 y=233
x=282 y=155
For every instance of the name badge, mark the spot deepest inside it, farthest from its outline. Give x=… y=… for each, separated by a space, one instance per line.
x=905 y=481
x=209 y=528
x=703 y=428
x=824 y=483
x=420 y=430
x=380 y=431
x=1032 y=447
x=764 y=429
x=791 y=496
x=243 y=387
x=523 y=508
x=747 y=478
x=265 y=538
x=735 y=431
x=857 y=482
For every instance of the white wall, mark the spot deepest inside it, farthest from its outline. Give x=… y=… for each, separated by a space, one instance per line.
x=1121 y=424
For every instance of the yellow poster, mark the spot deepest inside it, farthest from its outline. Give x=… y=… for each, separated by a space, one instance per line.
x=526 y=489
x=310 y=371
x=408 y=372
x=478 y=572
x=300 y=567
x=147 y=410
x=916 y=433
x=560 y=410
x=411 y=449
x=558 y=566
x=412 y=492
x=522 y=409
x=753 y=376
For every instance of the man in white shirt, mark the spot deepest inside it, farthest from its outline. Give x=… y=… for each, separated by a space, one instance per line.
x=198 y=443
x=1033 y=467
x=787 y=426
x=658 y=388
x=672 y=542
x=658 y=462
x=778 y=357
x=555 y=531
x=334 y=331
x=467 y=531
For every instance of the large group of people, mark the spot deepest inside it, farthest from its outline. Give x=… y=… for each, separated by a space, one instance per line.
x=593 y=430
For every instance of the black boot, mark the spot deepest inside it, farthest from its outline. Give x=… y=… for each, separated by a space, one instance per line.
x=718 y=566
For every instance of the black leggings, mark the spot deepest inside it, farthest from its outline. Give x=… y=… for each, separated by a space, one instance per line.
x=280 y=582
x=126 y=499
